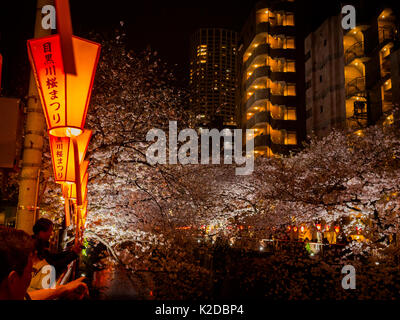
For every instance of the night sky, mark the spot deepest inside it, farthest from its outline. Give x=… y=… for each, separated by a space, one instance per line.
x=165 y=26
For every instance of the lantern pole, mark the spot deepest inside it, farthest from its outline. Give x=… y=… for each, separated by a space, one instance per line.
x=33 y=142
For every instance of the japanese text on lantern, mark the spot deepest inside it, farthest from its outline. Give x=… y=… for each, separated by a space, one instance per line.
x=51 y=81
x=59 y=148
x=50 y=78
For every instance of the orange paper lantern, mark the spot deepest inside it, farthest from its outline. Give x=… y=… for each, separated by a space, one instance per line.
x=84 y=182
x=65 y=97
x=63 y=156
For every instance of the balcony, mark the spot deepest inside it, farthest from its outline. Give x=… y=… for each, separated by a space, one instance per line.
x=354 y=52
x=265 y=71
x=286 y=30
x=258 y=118
x=283 y=76
x=356 y=87
x=260 y=94
x=385 y=66
x=265 y=49
x=277 y=124
x=260 y=50
x=282 y=53
x=386 y=33
x=260 y=72
x=266 y=27
x=265 y=140
x=283 y=100
x=262 y=27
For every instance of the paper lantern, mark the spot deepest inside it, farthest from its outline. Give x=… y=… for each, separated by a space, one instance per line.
x=73 y=194
x=318 y=225
x=63 y=156
x=65 y=97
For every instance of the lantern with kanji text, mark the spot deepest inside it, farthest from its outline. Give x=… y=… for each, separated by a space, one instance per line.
x=65 y=97
x=63 y=156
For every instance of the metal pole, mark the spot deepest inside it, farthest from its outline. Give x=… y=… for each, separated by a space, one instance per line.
x=33 y=142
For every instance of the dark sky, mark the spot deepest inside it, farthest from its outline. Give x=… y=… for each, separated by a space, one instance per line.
x=164 y=25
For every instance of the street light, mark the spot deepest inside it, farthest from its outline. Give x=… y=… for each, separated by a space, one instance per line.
x=65 y=97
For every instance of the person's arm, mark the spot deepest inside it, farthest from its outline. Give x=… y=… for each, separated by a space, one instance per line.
x=75 y=290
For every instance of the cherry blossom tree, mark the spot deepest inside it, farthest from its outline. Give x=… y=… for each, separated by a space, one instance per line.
x=149 y=216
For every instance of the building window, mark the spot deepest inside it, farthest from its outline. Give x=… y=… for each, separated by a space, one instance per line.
x=320 y=78
x=308 y=84
x=290 y=138
x=290 y=43
x=324 y=42
x=322 y=109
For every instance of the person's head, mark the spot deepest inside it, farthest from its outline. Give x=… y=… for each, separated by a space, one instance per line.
x=43 y=229
x=16 y=248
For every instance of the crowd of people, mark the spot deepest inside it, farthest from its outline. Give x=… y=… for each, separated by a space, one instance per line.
x=27 y=264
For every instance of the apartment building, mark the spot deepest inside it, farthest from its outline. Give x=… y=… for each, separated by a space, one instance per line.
x=349 y=73
x=270 y=97
x=213 y=63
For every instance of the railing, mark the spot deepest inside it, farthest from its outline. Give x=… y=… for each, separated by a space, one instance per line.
x=272 y=52
x=276 y=123
x=356 y=87
x=386 y=33
x=276 y=146
x=360 y=110
x=385 y=67
x=354 y=51
x=263 y=71
x=259 y=94
x=260 y=50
